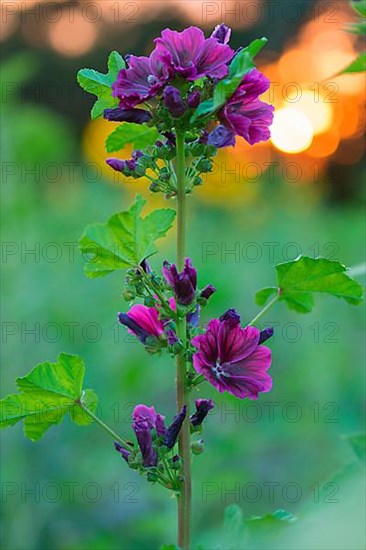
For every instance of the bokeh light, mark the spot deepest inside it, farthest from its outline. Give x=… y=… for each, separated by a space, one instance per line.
x=291 y=130
x=72 y=37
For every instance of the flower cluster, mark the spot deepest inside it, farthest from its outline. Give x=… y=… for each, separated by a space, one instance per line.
x=156 y=441
x=228 y=356
x=181 y=72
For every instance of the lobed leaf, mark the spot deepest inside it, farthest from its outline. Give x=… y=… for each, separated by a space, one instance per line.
x=140 y=135
x=100 y=84
x=47 y=393
x=300 y=278
x=125 y=240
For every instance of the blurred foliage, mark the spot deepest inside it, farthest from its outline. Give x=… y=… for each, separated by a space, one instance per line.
x=71 y=491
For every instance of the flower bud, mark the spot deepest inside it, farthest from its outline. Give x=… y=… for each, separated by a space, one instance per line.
x=221 y=137
x=183 y=283
x=222 y=33
x=193 y=100
x=204 y=165
x=173 y=101
x=172 y=432
x=128 y=295
x=138 y=116
x=265 y=334
x=203 y=407
x=207 y=292
x=197 y=447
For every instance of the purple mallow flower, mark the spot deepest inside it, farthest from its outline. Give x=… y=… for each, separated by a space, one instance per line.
x=184 y=283
x=244 y=114
x=192 y=56
x=173 y=101
x=203 y=407
x=222 y=33
x=138 y=116
x=143 y=322
x=142 y=80
x=231 y=359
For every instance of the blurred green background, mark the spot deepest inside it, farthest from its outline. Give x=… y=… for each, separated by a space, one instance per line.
x=71 y=491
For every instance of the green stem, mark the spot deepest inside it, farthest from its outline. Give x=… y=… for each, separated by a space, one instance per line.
x=264 y=310
x=109 y=430
x=184 y=497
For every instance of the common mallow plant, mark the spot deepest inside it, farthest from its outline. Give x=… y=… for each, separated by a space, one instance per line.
x=191 y=96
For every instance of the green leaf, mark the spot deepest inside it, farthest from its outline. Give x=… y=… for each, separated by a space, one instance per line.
x=357 y=66
x=269 y=524
x=262 y=296
x=358 y=444
x=357 y=28
x=233 y=521
x=125 y=240
x=241 y=64
x=47 y=393
x=360 y=7
x=140 y=135
x=100 y=84
x=298 y=279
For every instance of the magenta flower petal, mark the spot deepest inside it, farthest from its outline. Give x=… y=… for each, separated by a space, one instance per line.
x=244 y=114
x=213 y=59
x=143 y=322
x=190 y=55
x=143 y=413
x=142 y=80
x=147 y=318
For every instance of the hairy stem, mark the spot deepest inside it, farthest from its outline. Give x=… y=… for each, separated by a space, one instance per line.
x=106 y=428
x=184 y=498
